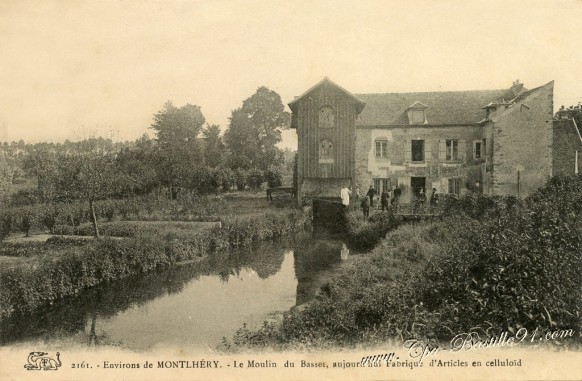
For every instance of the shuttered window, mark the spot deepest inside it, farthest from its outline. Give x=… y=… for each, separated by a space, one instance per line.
x=427 y=150
x=407 y=151
x=462 y=149
x=442 y=150
x=453 y=149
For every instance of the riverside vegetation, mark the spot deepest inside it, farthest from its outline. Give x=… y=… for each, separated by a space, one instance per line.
x=66 y=264
x=493 y=264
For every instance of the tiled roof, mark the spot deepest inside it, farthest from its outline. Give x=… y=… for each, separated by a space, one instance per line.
x=327 y=82
x=447 y=107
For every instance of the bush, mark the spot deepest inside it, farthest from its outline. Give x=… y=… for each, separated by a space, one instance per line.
x=517 y=265
x=255 y=178
x=5 y=223
x=365 y=234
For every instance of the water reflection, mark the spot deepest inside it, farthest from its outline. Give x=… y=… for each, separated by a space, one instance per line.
x=313 y=263
x=193 y=305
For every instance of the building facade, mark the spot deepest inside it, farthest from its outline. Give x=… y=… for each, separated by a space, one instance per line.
x=487 y=141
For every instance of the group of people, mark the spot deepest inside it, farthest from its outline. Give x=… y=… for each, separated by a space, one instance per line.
x=368 y=201
x=421 y=197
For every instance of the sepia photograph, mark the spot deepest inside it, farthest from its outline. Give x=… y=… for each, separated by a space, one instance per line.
x=290 y=190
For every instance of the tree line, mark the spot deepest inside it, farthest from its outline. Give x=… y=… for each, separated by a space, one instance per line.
x=186 y=155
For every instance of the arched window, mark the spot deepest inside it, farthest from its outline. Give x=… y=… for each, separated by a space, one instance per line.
x=326 y=117
x=326 y=151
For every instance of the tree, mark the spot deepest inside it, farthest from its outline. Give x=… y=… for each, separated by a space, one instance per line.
x=214 y=149
x=42 y=163
x=137 y=165
x=88 y=175
x=178 y=151
x=5 y=178
x=254 y=131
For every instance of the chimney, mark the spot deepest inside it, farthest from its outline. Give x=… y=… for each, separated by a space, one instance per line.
x=516 y=88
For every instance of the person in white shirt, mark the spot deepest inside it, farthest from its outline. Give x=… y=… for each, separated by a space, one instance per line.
x=345 y=195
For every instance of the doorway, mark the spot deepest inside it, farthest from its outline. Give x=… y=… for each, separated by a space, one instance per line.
x=416 y=184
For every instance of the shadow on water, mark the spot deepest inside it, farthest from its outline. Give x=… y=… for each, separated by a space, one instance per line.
x=195 y=303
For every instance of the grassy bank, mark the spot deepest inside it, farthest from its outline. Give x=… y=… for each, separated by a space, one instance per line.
x=64 y=266
x=496 y=265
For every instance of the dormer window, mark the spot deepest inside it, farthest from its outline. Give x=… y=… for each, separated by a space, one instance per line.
x=416 y=113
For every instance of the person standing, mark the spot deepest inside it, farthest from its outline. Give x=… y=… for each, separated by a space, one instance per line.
x=384 y=199
x=371 y=193
x=421 y=196
x=396 y=195
x=345 y=195
x=365 y=204
x=434 y=198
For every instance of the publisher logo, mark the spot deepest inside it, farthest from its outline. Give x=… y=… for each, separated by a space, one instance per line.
x=41 y=361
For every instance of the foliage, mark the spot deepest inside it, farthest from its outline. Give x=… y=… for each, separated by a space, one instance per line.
x=365 y=234
x=5 y=178
x=214 y=149
x=255 y=178
x=516 y=264
x=254 y=130
x=43 y=164
x=178 y=151
x=138 y=167
x=274 y=176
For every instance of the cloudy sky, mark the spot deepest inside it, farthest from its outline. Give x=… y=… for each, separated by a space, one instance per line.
x=70 y=69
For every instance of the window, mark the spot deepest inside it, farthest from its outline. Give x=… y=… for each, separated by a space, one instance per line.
x=416 y=116
x=452 y=149
x=326 y=117
x=416 y=113
x=417 y=150
x=326 y=151
x=455 y=186
x=382 y=184
x=478 y=150
x=377 y=185
x=381 y=148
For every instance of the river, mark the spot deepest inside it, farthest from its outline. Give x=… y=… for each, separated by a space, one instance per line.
x=192 y=305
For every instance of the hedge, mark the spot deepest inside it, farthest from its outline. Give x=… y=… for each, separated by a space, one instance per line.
x=74 y=265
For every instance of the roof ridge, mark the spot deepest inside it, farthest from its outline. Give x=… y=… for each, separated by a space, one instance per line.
x=433 y=92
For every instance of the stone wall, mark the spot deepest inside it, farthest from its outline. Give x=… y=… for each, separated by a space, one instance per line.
x=522 y=143
x=317 y=187
x=399 y=169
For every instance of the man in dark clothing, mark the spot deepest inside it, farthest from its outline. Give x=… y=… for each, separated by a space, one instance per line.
x=384 y=199
x=365 y=204
x=371 y=193
x=434 y=198
x=397 y=193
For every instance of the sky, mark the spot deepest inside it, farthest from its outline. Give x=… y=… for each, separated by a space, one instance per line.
x=73 y=69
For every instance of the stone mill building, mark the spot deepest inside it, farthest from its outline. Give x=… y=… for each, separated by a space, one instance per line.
x=504 y=141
